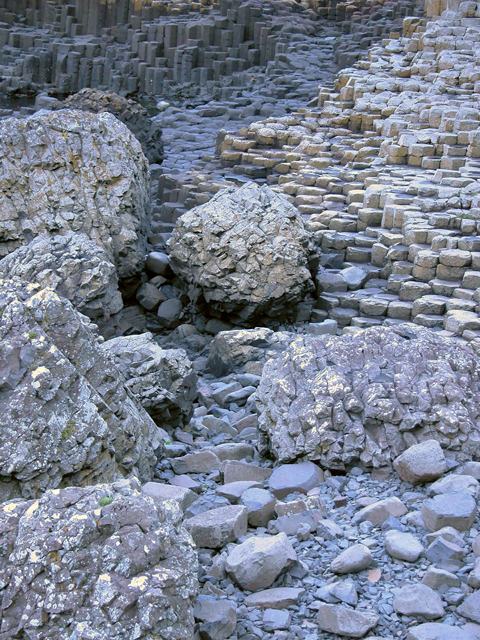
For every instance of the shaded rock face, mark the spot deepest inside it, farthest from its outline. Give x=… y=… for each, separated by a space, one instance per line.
x=369 y=395
x=74 y=266
x=96 y=562
x=132 y=114
x=66 y=417
x=246 y=252
x=74 y=171
x=162 y=380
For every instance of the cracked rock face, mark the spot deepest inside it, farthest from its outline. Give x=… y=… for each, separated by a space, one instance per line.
x=97 y=562
x=246 y=251
x=74 y=171
x=369 y=395
x=133 y=115
x=66 y=417
x=74 y=266
x=162 y=380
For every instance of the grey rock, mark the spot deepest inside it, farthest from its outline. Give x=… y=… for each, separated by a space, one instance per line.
x=403 y=546
x=345 y=592
x=149 y=296
x=345 y=622
x=290 y=524
x=470 y=607
x=198 y=462
x=441 y=549
x=355 y=277
x=421 y=463
x=289 y=478
x=455 y=484
x=439 y=578
x=379 y=512
x=233 y=490
x=205 y=502
x=273 y=619
x=457 y=510
x=236 y=225
x=163 y=380
x=75 y=267
x=474 y=575
x=169 y=313
x=471 y=469
x=111 y=559
x=96 y=161
x=66 y=415
x=218 y=617
x=147 y=131
x=354 y=559
x=233 y=451
x=418 y=600
x=438 y=631
x=234 y=471
x=158 y=263
x=256 y=563
x=245 y=350
x=260 y=505
x=278 y=598
x=339 y=430
x=160 y=492
x=214 y=529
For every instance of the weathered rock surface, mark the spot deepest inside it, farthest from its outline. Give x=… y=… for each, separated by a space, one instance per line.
x=74 y=171
x=368 y=396
x=214 y=529
x=456 y=510
x=246 y=349
x=72 y=265
x=65 y=414
x=162 y=380
x=147 y=131
x=98 y=562
x=418 y=600
x=345 y=622
x=352 y=560
x=246 y=252
x=256 y=563
x=288 y=478
x=218 y=618
x=403 y=546
x=438 y=631
x=421 y=463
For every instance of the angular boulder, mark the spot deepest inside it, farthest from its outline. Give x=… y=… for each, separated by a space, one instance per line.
x=369 y=395
x=214 y=529
x=71 y=170
x=256 y=563
x=72 y=265
x=96 y=562
x=65 y=413
x=133 y=115
x=162 y=380
x=288 y=478
x=344 y=621
x=421 y=463
x=246 y=253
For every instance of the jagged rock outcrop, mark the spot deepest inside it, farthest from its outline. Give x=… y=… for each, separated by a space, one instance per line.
x=162 y=380
x=133 y=115
x=74 y=266
x=71 y=170
x=246 y=251
x=97 y=562
x=66 y=417
x=367 y=396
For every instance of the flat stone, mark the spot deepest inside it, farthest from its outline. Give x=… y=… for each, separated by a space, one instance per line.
x=437 y=578
x=279 y=598
x=218 y=617
x=441 y=549
x=199 y=462
x=256 y=563
x=274 y=619
x=470 y=607
x=421 y=463
x=456 y=483
x=214 y=529
x=352 y=560
x=289 y=478
x=457 y=510
x=234 y=471
x=438 y=631
x=378 y=512
x=403 y=546
x=160 y=492
x=233 y=490
x=418 y=600
x=345 y=622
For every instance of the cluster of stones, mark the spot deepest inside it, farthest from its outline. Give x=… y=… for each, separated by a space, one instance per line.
x=385 y=172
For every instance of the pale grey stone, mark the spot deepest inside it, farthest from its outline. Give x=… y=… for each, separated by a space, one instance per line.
x=345 y=622
x=421 y=463
x=214 y=529
x=418 y=600
x=457 y=510
x=403 y=546
x=352 y=560
x=289 y=478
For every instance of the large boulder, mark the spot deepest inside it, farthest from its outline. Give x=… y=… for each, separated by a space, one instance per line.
x=96 y=562
x=71 y=170
x=245 y=251
x=131 y=113
x=65 y=414
x=369 y=395
x=74 y=266
x=163 y=380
